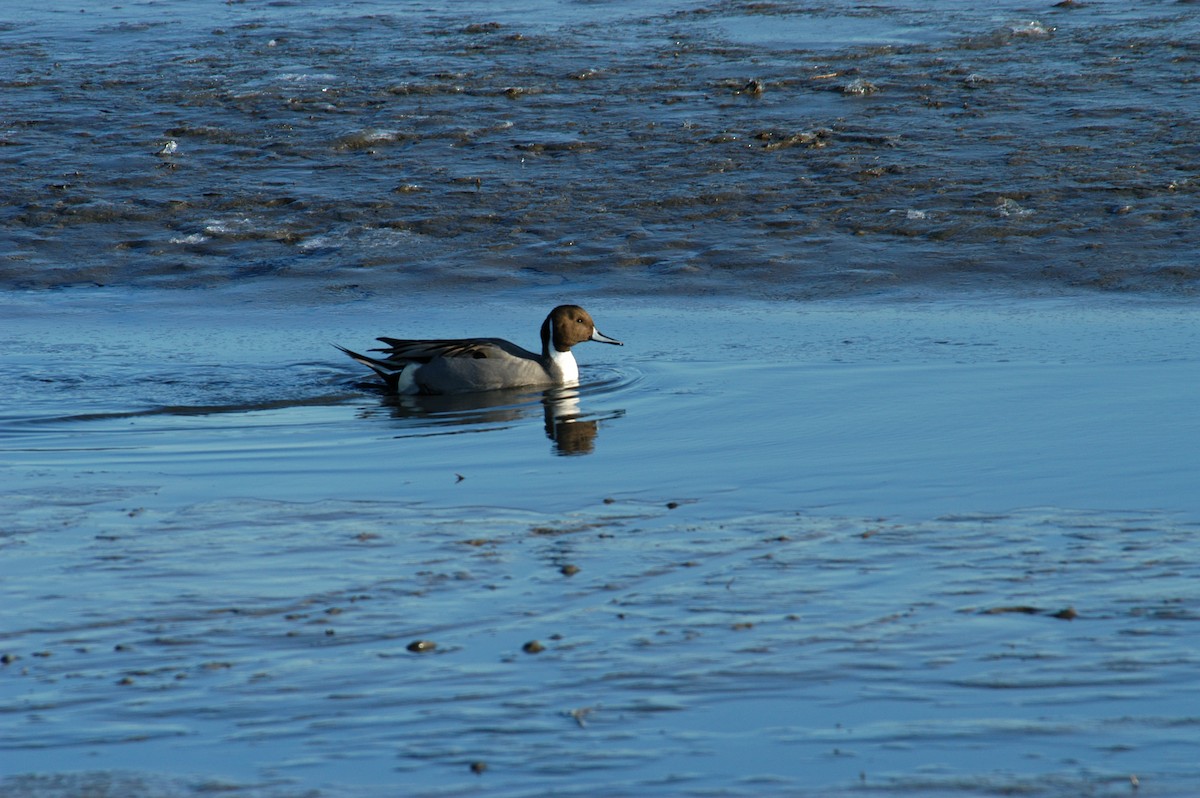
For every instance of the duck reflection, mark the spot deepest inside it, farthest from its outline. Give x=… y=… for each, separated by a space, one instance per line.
x=565 y=423
x=571 y=433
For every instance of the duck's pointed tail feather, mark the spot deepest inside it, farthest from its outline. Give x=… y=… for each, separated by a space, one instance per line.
x=388 y=372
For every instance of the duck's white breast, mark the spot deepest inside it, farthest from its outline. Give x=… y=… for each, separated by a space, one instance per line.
x=565 y=362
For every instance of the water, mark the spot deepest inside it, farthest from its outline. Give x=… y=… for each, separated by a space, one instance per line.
x=890 y=491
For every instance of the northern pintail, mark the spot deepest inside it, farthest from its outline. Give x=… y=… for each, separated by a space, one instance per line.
x=465 y=365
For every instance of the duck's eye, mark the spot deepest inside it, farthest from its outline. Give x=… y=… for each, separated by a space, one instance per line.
x=580 y=320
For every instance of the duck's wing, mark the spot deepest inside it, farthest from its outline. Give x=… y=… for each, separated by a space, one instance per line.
x=461 y=365
x=401 y=351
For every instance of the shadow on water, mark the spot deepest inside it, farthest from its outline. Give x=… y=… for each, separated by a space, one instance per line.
x=270 y=409
x=198 y=410
x=571 y=427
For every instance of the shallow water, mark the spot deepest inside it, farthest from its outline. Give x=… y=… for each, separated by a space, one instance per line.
x=831 y=565
x=880 y=497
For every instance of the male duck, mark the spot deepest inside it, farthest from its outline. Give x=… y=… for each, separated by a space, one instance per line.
x=465 y=365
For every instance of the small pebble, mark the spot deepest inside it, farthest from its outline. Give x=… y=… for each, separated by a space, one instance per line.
x=860 y=87
x=754 y=88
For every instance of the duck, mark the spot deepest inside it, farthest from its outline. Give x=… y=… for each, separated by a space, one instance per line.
x=469 y=365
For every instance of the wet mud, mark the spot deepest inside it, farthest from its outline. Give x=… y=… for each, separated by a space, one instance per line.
x=755 y=149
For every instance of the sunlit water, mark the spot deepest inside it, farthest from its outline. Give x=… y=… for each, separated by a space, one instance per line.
x=930 y=547
x=875 y=500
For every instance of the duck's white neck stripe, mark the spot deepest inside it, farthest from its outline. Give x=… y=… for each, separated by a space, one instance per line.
x=565 y=361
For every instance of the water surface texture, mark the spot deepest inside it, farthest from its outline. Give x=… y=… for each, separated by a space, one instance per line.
x=777 y=148
x=891 y=491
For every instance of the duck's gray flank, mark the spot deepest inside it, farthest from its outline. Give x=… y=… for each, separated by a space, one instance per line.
x=465 y=365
